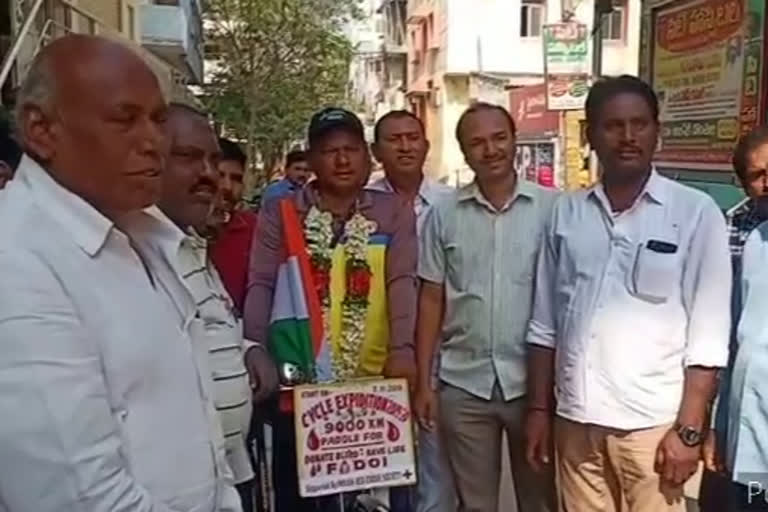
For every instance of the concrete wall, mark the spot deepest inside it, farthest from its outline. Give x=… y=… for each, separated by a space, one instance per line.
x=115 y=14
x=105 y=10
x=447 y=159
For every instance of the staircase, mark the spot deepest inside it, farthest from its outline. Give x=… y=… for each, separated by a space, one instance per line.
x=38 y=22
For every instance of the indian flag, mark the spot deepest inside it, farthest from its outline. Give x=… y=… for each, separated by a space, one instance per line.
x=296 y=325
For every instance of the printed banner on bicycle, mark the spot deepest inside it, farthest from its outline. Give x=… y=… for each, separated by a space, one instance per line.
x=353 y=436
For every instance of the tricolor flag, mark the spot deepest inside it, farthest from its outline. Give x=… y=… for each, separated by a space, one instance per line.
x=296 y=326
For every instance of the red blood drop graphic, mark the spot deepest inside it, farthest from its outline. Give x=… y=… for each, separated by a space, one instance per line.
x=313 y=442
x=393 y=433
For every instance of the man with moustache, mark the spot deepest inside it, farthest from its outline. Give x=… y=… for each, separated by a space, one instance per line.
x=401 y=146
x=104 y=398
x=738 y=416
x=190 y=184
x=630 y=322
x=476 y=259
x=337 y=202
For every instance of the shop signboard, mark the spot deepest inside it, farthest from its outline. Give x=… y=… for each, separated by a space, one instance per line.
x=528 y=106
x=706 y=68
x=566 y=65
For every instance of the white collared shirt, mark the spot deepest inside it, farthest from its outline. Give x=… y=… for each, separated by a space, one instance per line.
x=625 y=319
x=430 y=192
x=105 y=403
x=222 y=344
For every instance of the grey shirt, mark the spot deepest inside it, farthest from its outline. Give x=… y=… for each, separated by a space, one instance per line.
x=485 y=258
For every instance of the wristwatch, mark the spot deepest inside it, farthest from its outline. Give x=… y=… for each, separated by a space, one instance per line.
x=689 y=435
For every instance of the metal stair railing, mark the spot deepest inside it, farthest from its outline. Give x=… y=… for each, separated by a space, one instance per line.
x=10 y=57
x=52 y=29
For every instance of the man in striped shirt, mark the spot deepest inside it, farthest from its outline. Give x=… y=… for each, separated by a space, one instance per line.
x=189 y=188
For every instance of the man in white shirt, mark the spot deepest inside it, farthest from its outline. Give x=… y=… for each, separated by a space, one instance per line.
x=630 y=322
x=401 y=146
x=190 y=183
x=104 y=400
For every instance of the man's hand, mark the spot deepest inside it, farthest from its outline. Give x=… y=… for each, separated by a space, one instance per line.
x=713 y=459
x=675 y=462
x=425 y=408
x=402 y=367
x=538 y=439
x=262 y=372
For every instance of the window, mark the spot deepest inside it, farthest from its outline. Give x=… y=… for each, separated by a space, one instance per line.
x=120 y=24
x=531 y=18
x=613 y=22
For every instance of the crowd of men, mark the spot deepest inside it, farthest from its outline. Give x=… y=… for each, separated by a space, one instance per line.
x=140 y=302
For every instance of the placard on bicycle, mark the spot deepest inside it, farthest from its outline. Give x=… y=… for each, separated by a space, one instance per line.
x=353 y=436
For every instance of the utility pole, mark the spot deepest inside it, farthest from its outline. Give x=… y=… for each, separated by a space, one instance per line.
x=602 y=7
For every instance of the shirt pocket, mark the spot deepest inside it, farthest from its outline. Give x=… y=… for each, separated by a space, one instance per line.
x=455 y=272
x=655 y=274
x=522 y=254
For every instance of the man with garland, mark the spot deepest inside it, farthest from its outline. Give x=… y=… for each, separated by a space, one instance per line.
x=360 y=247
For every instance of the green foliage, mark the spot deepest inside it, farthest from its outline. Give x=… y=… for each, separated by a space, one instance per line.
x=278 y=62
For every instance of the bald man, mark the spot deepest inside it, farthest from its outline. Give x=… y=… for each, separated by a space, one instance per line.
x=103 y=388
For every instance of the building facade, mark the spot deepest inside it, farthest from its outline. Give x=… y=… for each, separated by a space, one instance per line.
x=173 y=50
x=378 y=70
x=460 y=51
x=173 y=30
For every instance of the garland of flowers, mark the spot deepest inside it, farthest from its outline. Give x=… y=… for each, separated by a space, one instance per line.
x=318 y=227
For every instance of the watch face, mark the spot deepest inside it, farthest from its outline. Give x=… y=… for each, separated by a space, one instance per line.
x=690 y=436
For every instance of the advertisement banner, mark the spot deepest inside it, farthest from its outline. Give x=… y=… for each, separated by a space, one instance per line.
x=535 y=161
x=528 y=105
x=353 y=436
x=706 y=68
x=566 y=65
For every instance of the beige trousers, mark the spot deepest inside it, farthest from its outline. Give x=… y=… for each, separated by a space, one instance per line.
x=471 y=430
x=607 y=470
